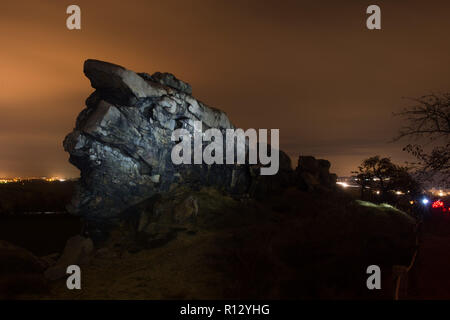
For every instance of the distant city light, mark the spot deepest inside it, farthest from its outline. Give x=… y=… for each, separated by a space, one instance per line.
x=437 y=204
x=440 y=192
x=343 y=184
x=18 y=179
x=12 y=180
x=347 y=184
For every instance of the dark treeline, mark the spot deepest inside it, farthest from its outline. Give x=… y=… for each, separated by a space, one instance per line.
x=41 y=234
x=35 y=196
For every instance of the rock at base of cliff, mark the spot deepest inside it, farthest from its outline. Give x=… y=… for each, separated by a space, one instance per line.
x=21 y=272
x=78 y=251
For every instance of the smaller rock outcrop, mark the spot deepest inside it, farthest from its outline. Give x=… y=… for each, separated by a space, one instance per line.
x=314 y=174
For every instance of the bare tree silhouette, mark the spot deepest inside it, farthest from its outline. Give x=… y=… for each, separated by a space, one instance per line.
x=428 y=123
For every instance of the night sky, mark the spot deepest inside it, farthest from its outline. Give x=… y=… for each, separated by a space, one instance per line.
x=308 y=68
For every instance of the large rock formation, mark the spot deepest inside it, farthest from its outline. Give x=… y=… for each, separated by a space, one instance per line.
x=122 y=144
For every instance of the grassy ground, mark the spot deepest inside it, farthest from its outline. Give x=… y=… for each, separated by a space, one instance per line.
x=291 y=246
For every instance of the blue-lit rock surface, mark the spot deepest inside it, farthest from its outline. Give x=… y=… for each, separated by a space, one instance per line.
x=122 y=144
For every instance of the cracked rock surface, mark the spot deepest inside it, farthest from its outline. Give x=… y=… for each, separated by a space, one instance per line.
x=122 y=144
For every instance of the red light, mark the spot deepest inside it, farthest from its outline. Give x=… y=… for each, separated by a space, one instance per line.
x=437 y=204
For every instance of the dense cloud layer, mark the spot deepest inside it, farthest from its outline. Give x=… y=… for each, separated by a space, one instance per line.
x=311 y=70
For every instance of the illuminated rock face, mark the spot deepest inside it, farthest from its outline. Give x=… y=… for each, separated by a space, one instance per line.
x=122 y=143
